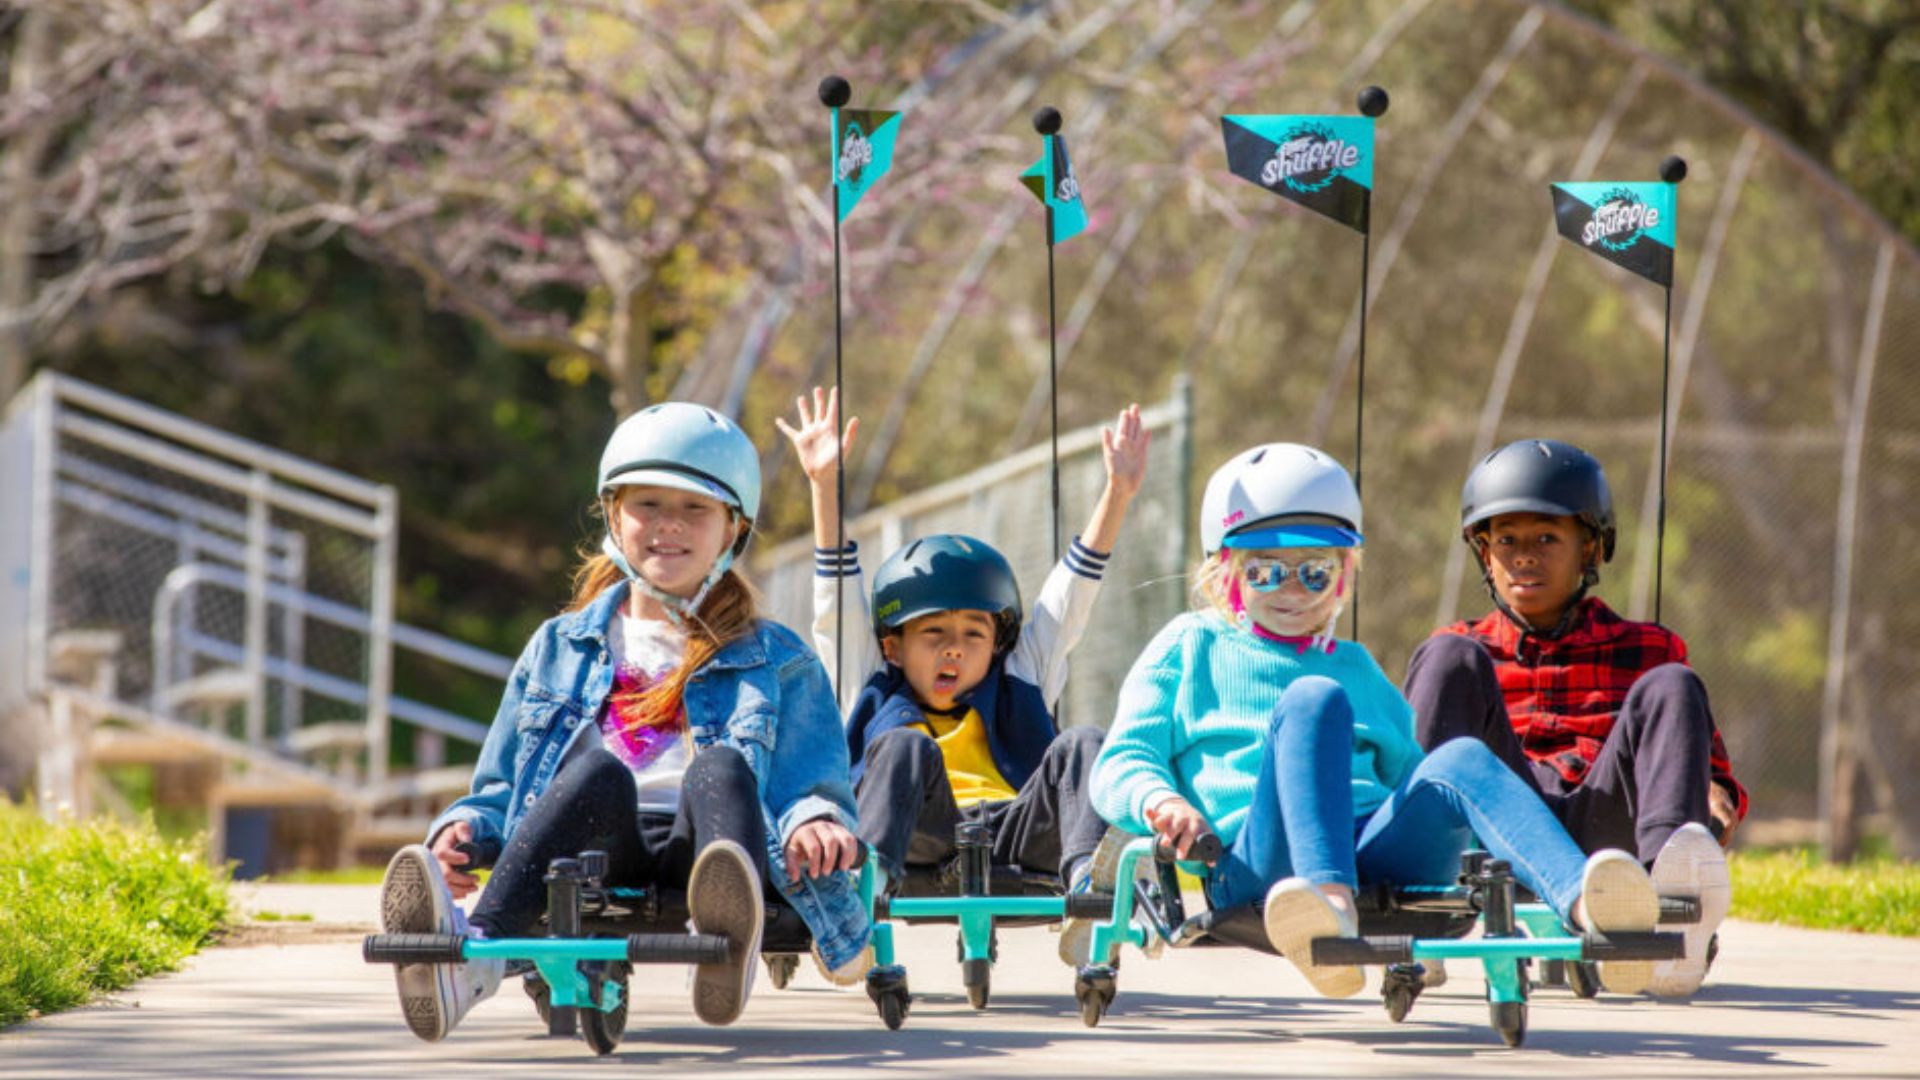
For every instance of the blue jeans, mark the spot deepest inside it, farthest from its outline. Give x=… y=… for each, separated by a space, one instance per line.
x=1302 y=823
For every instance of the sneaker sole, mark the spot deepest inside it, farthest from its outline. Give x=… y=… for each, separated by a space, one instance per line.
x=1692 y=866
x=1294 y=920
x=408 y=906
x=1619 y=896
x=723 y=896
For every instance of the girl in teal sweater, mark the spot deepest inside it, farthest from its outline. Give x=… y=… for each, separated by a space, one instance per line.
x=1245 y=717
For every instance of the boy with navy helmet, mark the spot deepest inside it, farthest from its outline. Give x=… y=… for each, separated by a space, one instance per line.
x=1599 y=714
x=661 y=721
x=952 y=718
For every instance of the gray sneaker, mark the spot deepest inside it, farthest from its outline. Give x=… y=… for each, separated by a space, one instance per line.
x=414 y=900
x=723 y=896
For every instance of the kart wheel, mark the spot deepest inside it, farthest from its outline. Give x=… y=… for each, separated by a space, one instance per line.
x=1583 y=978
x=536 y=988
x=1510 y=1020
x=893 y=1008
x=978 y=977
x=1400 y=988
x=603 y=1028
x=1094 y=989
x=780 y=969
x=887 y=989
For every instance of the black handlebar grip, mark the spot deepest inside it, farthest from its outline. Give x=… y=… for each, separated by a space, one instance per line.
x=1633 y=945
x=412 y=949
x=1089 y=905
x=677 y=948
x=1206 y=848
x=1378 y=950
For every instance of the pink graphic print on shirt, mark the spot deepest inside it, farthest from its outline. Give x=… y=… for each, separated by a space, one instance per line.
x=638 y=745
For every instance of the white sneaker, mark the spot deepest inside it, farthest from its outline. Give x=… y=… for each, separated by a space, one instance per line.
x=414 y=900
x=1297 y=915
x=723 y=896
x=1691 y=865
x=1617 y=895
x=851 y=973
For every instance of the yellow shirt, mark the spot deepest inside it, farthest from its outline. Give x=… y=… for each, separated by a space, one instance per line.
x=970 y=768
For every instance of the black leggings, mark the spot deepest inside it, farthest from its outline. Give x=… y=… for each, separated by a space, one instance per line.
x=591 y=806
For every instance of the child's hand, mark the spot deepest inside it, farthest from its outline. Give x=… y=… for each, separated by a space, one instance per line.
x=813 y=440
x=821 y=846
x=459 y=882
x=1177 y=821
x=1725 y=811
x=1124 y=448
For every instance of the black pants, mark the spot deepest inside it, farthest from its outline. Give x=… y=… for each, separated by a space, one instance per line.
x=1650 y=777
x=590 y=806
x=908 y=814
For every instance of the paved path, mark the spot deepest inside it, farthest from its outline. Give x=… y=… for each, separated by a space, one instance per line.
x=1782 y=1002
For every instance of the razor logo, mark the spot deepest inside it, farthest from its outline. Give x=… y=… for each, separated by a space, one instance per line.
x=1619 y=221
x=888 y=608
x=856 y=153
x=1233 y=519
x=1309 y=159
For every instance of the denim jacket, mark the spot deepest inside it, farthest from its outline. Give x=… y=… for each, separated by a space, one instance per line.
x=764 y=694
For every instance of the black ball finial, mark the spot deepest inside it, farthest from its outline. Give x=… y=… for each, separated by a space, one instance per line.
x=835 y=91
x=1046 y=120
x=1372 y=101
x=1674 y=169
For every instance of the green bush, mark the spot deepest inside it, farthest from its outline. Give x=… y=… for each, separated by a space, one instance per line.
x=91 y=906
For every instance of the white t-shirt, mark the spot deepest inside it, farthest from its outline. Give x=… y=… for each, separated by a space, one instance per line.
x=645 y=651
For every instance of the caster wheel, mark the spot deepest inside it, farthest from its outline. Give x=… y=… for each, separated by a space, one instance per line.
x=1094 y=989
x=1510 y=1020
x=1583 y=979
x=603 y=1028
x=780 y=969
x=1400 y=988
x=887 y=988
x=978 y=977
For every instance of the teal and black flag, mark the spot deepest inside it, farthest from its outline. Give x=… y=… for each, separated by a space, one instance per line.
x=1324 y=163
x=862 y=152
x=1052 y=181
x=1630 y=225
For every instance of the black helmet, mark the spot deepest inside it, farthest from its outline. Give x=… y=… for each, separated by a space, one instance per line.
x=946 y=573
x=1539 y=476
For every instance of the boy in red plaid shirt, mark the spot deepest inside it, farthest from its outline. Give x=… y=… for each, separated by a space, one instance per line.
x=1599 y=713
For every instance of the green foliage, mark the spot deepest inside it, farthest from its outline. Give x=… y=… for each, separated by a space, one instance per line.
x=91 y=906
x=1877 y=895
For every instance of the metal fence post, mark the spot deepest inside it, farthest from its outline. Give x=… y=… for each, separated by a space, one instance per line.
x=380 y=636
x=259 y=491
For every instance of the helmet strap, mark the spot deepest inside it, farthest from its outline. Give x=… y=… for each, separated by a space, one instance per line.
x=679 y=608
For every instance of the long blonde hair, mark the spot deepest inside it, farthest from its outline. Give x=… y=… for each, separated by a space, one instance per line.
x=729 y=611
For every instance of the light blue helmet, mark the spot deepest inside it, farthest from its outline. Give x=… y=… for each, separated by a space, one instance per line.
x=691 y=448
x=680 y=445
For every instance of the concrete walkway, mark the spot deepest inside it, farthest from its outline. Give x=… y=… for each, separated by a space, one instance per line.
x=301 y=1004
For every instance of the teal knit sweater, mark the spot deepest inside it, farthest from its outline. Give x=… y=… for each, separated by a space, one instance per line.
x=1193 y=718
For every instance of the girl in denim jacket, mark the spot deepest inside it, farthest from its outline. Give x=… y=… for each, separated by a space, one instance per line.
x=659 y=720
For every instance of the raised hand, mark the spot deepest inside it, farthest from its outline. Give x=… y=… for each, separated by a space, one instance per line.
x=813 y=439
x=1124 y=449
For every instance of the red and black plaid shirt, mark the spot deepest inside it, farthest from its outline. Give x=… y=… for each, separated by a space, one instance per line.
x=1563 y=694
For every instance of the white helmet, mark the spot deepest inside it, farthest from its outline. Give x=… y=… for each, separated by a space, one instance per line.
x=1280 y=495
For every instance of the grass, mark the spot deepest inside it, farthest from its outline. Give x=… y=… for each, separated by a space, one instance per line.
x=281 y=916
x=1874 y=895
x=92 y=906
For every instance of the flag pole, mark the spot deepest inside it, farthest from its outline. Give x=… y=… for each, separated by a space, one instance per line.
x=1046 y=121
x=1372 y=103
x=835 y=92
x=1672 y=171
